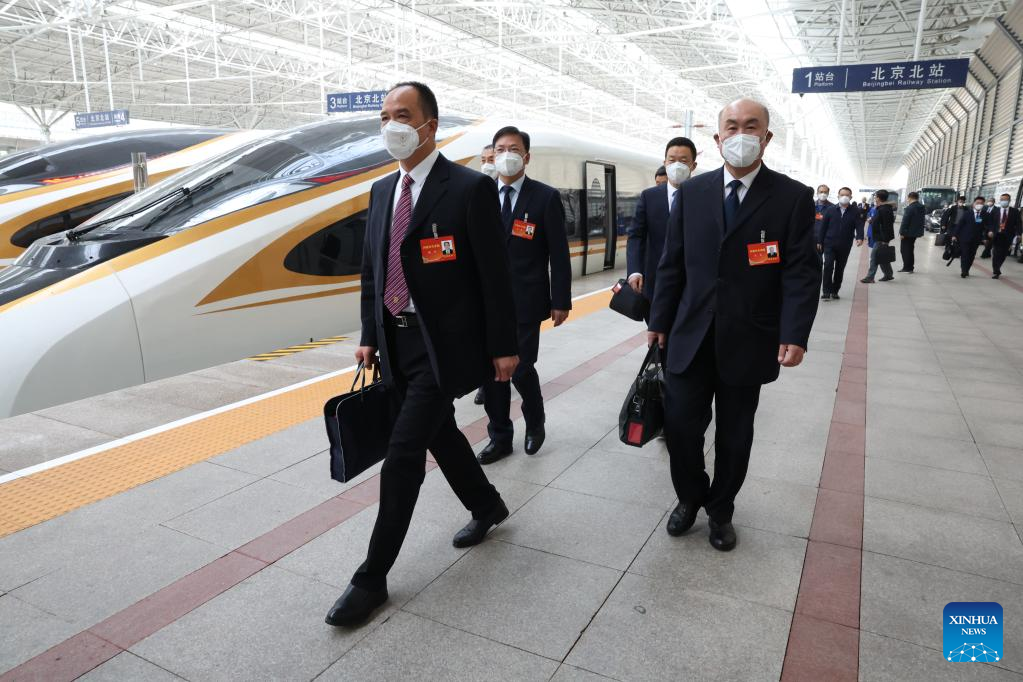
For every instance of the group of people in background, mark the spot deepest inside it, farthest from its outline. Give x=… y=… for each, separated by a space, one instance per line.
x=992 y=224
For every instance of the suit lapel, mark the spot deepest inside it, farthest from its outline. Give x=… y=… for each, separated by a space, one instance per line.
x=663 y=207
x=433 y=189
x=520 y=205
x=757 y=194
x=382 y=228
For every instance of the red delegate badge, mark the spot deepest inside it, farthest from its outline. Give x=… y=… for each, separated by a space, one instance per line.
x=439 y=249
x=764 y=253
x=524 y=228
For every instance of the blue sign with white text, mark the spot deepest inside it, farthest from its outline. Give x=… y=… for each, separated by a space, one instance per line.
x=907 y=75
x=972 y=632
x=98 y=119
x=344 y=102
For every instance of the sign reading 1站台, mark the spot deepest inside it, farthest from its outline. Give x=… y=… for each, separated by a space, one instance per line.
x=908 y=75
x=98 y=119
x=343 y=102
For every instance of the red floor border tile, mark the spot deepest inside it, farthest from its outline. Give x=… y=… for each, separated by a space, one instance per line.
x=1003 y=279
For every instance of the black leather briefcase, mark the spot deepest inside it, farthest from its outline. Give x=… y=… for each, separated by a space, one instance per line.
x=886 y=254
x=642 y=416
x=627 y=302
x=359 y=425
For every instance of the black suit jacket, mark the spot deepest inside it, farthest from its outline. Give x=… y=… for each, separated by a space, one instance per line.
x=968 y=231
x=819 y=209
x=883 y=227
x=1013 y=223
x=913 y=220
x=541 y=267
x=705 y=276
x=646 y=236
x=837 y=230
x=464 y=306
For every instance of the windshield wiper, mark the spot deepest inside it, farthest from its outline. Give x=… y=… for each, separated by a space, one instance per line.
x=188 y=192
x=74 y=235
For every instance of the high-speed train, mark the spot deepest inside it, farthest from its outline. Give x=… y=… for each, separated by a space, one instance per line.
x=257 y=249
x=56 y=187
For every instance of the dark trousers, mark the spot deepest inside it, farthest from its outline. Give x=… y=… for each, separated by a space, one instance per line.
x=835 y=259
x=497 y=395
x=426 y=419
x=886 y=268
x=986 y=253
x=1000 y=251
x=968 y=255
x=687 y=408
x=908 y=257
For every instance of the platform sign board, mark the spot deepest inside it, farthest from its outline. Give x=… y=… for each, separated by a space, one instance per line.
x=907 y=75
x=346 y=102
x=99 y=119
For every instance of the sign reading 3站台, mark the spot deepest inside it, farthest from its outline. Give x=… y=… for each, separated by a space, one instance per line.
x=907 y=75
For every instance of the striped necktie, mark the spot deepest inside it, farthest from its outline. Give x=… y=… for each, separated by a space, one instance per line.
x=396 y=296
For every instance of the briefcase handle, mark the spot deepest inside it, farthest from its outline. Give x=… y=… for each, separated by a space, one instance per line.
x=653 y=357
x=360 y=373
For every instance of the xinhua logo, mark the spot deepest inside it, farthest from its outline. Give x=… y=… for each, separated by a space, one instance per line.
x=972 y=631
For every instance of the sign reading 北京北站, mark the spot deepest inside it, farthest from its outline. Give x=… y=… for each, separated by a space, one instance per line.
x=907 y=75
x=343 y=102
x=98 y=119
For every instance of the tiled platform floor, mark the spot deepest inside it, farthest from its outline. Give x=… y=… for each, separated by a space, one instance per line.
x=581 y=582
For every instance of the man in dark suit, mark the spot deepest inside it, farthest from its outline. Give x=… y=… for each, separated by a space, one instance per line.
x=736 y=297
x=842 y=223
x=969 y=230
x=911 y=229
x=820 y=207
x=440 y=316
x=650 y=222
x=882 y=229
x=1003 y=226
x=533 y=225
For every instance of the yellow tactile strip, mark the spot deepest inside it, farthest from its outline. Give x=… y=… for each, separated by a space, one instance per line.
x=298 y=348
x=48 y=494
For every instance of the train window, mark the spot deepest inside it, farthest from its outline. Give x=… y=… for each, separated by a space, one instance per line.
x=65 y=220
x=24 y=165
x=570 y=200
x=334 y=251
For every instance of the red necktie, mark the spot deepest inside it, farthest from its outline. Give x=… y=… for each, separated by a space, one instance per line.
x=1005 y=214
x=396 y=296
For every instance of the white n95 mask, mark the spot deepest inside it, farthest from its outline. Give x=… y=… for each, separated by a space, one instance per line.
x=844 y=200
x=740 y=150
x=677 y=172
x=489 y=170
x=508 y=164
x=400 y=139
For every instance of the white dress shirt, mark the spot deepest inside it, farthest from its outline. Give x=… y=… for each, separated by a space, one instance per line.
x=746 y=180
x=419 y=175
x=516 y=189
x=671 y=194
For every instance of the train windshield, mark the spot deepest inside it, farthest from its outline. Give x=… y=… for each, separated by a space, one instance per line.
x=61 y=161
x=934 y=198
x=260 y=171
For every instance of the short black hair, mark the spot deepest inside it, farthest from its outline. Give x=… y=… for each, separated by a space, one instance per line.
x=846 y=189
x=512 y=130
x=976 y=198
x=913 y=195
x=660 y=171
x=961 y=197
x=824 y=186
x=881 y=194
x=1006 y=195
x=427 y=100
x=680 y=142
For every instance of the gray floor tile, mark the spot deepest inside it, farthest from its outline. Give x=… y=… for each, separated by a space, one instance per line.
x=656 y=449
x=905 y=599
x=794 y=464
x=277 y=451
x=883 y=659
x=1011 y=493
x=245 y=514
x=269 y=626
x=30 y=439
x=408 y=647
x=264 y=375
x=313 y=473
x=28 y=631
x=569 y=673
x=966 y=387
x=558 y=453
x=518 y=596
x=883 y=379
x=965 y=543
x=911 y=400
x=776 y=506
x=937 y=488
x=940 y=453
x=920 y=423
x=656 y=630
x=128 y=666
x=637 y=480
x=118 y=413
x=195 y=391
x=764 y=567
x=593 y=529
x=86 y=591
x=1005 y=433
x=1004 y=463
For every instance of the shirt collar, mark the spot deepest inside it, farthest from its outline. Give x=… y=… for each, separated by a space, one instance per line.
x=421 y=171
x=746 y=180
x=517 y=185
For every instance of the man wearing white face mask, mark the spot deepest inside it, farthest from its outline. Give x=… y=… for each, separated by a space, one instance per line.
x=820 y=208
x=650 y=222
x=436 y=292
x=533 y=219
x=487 y=166
x=736 y=298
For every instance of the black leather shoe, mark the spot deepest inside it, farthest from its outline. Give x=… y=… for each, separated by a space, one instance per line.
x=493 y=452
x=887 y=279
x=534 y=440
x=904 y=270
x=996 y=275
x=964 y=275
x=825 y=297
x=683 y=518
x=478 y=400
x=722 y=536
x=476 y=530
x=355 y=606
x=835 y=297
x=867 y=280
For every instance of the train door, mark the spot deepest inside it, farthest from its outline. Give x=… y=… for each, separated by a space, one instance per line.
x=600 y=217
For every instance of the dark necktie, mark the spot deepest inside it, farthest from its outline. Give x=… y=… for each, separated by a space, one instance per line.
x=732 y=204
x=506 y=208
x=396 y=296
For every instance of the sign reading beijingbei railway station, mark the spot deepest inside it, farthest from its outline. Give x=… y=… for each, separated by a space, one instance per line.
x=98 y=119
x=907 y=75
x=345 y=102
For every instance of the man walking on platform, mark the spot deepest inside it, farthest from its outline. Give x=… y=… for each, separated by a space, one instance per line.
x=882 y=228
x=911 y=229
x=819 y=209
x=533 y=222
x=436 y=302
x=969 y=230
x=1003 y=226
x=840 y=226
x=736 y=297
